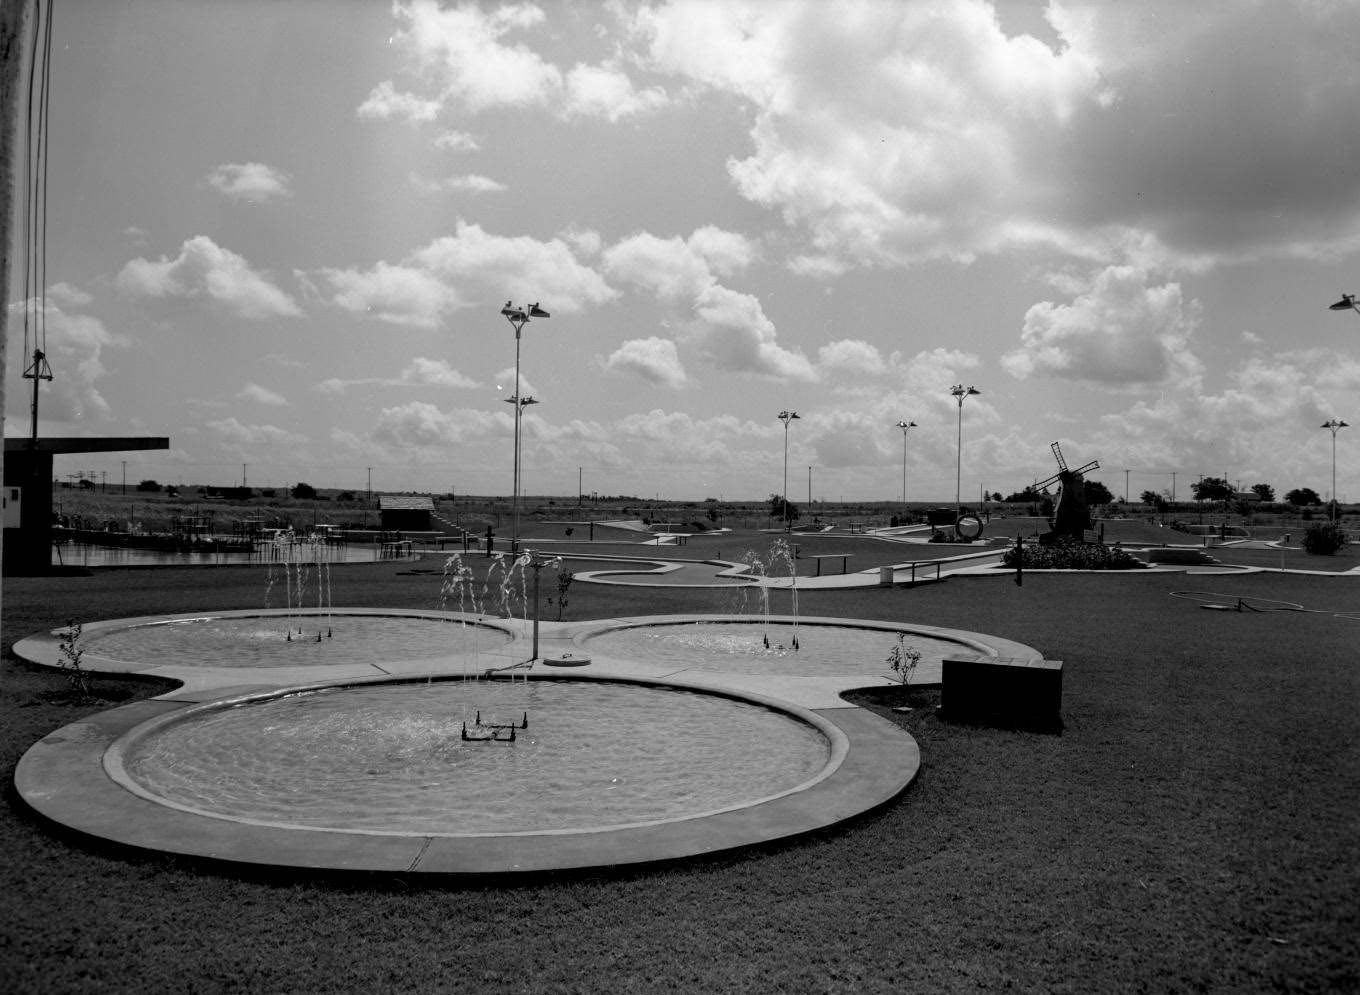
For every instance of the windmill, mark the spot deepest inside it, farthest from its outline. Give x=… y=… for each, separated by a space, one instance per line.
x=1070 y=517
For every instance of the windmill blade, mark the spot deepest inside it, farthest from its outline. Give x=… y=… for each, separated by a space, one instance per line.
x=1057 y=455
x=1093 y=465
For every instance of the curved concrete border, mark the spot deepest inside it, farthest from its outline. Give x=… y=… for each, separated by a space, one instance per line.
x=65 y=778
x=65 y=775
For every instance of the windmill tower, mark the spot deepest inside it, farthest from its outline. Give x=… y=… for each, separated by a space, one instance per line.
x=1071 y=517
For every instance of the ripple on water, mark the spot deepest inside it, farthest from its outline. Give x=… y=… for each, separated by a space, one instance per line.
x=390 y=758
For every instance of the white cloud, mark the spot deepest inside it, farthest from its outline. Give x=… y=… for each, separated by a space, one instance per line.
x=607 y=92
x=261 y=395
x=544 y=271
x=398 y=295
x=1119 y=332
x=853 y=356
x=467 y=54
x=68 y=296
x=75 y=345
x=725 y=328
x=237 y=434
x=250 y=181
x=655 y=360
x=471 y=183
x=385 y=102
x=423 y=425
x=420 y=372
x=952 y=139
x=457 y=141
x=205 y=269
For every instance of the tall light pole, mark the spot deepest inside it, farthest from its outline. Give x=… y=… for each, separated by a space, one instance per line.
x=518 y=318
x=1347 y=303
x=786 y=417
x=960 y=392
x=904 y=426
x=1335 y=426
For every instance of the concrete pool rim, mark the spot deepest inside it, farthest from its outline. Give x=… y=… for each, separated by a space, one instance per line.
x=65 y=778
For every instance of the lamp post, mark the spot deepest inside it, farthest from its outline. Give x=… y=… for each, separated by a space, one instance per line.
x=960 y=392
x=786 y=417
x=518 y=318
x=904 y=426
x=1335 y=426
x=1347 y=303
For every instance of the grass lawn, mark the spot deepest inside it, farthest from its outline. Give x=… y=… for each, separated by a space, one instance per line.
x=1194 y=828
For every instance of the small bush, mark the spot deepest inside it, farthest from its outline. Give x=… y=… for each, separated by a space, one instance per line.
x=1070 y=555
x=1324 y=539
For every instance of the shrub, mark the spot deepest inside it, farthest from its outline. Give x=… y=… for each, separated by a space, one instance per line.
x=1324 y=538
x=1070 y=555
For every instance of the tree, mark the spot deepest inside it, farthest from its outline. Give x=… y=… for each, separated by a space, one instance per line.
x=1153 y=498
x=782 y=509
x=304 y=492
x=1211 y=489
x=1264 y=491
x=1303 y=496
x=149 y=486
x=1095 y=493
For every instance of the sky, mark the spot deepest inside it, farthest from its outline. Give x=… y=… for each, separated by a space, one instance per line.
x=281 y=235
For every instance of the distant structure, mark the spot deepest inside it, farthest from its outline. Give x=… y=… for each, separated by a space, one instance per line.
x=28 y=494
x=406 y=512
x=1071 y=517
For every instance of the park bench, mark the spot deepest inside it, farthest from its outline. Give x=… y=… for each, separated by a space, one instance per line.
x=843 y=557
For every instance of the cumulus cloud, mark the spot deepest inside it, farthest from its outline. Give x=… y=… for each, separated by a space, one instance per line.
x=457 y=141
x=952 y=138
x=471 y=183
x=420 y=372
x=724 y=327
x=250 y=181
x=853 y=356
x=1120 y=331
x=655 y=360
x=547 y=269
x=261 y=395
x=235 y=433
x=398 y=295
x=75 y=346
x=476 y=60
x=385 y=102
x=1263 y=422
x=205 y=269
x=422 y=425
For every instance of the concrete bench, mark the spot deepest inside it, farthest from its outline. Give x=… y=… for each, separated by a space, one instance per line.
x=843 y=557
x=974 y=686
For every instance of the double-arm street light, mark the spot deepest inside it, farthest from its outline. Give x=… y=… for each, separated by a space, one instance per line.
x=960 y=392
x=786 y=417
x=1335 y=426
x=518 y=318
x=904 y=426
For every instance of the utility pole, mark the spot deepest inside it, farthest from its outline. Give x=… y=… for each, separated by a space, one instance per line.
x=124 y=476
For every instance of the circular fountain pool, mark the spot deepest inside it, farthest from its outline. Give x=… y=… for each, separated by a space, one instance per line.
x=618 y=765
x=284 y=639
x=390 y=757
x=783 y=648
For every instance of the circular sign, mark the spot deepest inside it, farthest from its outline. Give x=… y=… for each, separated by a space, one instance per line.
x=968 y=527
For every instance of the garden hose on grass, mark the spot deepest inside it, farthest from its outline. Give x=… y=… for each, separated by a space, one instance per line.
x=1240 y=603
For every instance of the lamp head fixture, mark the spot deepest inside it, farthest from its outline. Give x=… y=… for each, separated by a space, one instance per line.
x=960 y=391
x=1334 y=424
x=787 y=416
x=537 y=312
x=1347 y=303
x=907 y=424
